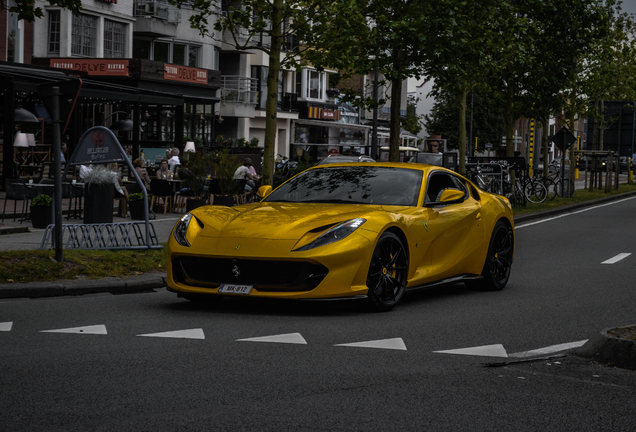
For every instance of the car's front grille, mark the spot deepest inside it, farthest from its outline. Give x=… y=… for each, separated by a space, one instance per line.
x=271 y=276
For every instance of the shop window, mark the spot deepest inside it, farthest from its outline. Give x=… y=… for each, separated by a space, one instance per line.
x=84 y=35
x=114 y=39
x=162 y=52
x=54 y=32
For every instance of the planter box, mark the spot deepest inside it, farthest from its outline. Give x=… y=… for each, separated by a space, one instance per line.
x=224 y=200
x=41 y=217
x=99 y=203
x=137 y=210
x=192 y=203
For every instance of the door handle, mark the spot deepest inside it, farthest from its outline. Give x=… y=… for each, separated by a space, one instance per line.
x=478 y=216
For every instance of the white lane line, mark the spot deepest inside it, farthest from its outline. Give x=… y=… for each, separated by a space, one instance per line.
x=550 y=349
x=395 y=344
x=573 y=213
x=617 y=258
x=496 y=350
x=290 y=338
x=95 y=329
x=179 y=334
x=6 y=326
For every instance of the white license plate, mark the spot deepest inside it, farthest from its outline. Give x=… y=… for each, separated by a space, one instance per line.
x=235 y=289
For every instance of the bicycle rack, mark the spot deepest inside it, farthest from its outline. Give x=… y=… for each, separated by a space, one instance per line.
x=127 y=235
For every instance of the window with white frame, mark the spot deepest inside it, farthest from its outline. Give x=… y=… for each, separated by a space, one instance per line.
x=54 y=32
x=114 y=39
x=314 y=84
x=194 y=53
x=84 y=35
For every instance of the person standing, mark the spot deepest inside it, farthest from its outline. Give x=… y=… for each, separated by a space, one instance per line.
x=174 y=160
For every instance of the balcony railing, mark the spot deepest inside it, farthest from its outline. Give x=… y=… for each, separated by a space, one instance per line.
x=159 y=9
x=239 y=89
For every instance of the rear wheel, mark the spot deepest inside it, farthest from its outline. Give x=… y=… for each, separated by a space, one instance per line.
x=386 y=279
x=496 y=271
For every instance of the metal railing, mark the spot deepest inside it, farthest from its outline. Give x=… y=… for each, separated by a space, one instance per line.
x=239 y=89
x=159 y=9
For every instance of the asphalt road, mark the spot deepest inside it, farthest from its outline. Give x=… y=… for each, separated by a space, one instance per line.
x=115 y=370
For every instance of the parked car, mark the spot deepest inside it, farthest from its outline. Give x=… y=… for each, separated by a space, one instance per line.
x=338 y=158
x=428 y=159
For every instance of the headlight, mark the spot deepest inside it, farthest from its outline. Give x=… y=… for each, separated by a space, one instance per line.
x=181 y=229
x=334 y=234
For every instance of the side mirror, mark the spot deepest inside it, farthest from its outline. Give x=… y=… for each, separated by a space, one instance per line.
x=448 y=196
x=263 y=191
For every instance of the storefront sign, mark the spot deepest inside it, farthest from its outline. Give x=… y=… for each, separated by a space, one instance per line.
x=93 y=67
x=323 y=113
x=185 y=74
x=97 y=145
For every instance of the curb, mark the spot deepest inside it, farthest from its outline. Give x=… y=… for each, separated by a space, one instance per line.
x=13 y=230
x=605 y=348
x=570 y=208
x=113 y=285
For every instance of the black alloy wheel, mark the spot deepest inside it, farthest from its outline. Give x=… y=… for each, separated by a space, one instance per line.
x=387 y=273
x=496 y=270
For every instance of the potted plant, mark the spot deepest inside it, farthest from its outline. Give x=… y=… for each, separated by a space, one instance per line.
x=197 y=167
x=136 y=206
x=99 y=195
x=224 y=168
x=41 y=215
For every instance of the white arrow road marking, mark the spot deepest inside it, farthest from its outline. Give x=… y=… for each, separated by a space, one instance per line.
x=290 y=338
x=395 y=344
x=6 y=326
x=496 y=350
x=95 y=329
x=617 y=258
x=180 y=334
x=550 y=349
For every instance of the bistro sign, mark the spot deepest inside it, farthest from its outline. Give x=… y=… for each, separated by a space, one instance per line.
x=93 y=67
x=185 y=74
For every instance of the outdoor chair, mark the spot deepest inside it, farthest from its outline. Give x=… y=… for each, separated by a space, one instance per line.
x=161 y=190
x=15 y=191
x=77 y=193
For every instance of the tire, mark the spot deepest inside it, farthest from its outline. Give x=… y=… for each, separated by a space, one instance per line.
x=496 y=271
x=535 y=192
x=388 y=271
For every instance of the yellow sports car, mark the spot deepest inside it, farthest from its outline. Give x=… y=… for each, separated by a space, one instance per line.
x=373 y=230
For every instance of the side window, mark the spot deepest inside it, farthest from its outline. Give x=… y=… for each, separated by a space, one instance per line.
x=439 y=181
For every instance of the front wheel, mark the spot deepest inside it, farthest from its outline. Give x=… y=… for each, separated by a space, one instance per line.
x=496 y=271
x=387 y=275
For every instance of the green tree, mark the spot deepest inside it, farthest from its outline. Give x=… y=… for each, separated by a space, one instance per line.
x=412 y=122
x=389 y=35
x=28 y=11
x=488 y=119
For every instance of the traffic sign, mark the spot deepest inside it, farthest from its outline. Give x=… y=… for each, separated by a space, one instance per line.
x=563 y=139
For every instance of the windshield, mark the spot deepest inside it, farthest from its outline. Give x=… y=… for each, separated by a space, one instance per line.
x=352 y=185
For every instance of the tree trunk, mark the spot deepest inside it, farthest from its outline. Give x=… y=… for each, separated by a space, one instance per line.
x=271 y=106
x=544 y=148
x=394 y=121
x=462 y=130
